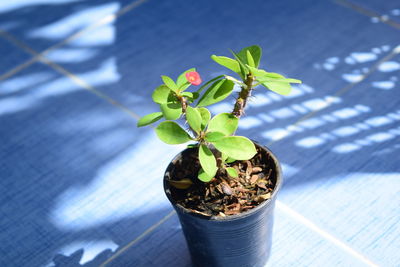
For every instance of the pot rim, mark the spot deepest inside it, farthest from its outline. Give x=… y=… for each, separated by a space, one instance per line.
x=241 y=215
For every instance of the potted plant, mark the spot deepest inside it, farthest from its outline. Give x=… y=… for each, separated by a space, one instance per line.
x=223 y=186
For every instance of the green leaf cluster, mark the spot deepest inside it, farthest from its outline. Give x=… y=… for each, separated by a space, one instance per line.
x=214 y=136
x=218 y=133
x=212 y=132
x=246 y=63
x=168 y=96
x=247 y=56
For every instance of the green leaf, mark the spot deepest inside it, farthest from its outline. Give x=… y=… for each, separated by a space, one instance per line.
x=207 y=161
x=182 y=82
x=162 y=94
x=184 y=87
x=250 y=59
x=204 y=177
x=232 y=172
x=225 y=123
x=185 y=183
x=230 y=160
x=262 y=73
x=227 y=62
x=237 y=147
x=291 y=80
x=190 y=95
x=273 y=81
x=286 y=80
x=273 y=75
x=257 y=72
x=171 y=133
x=234 y=80
x=224 y=157
x=149 y=119
x=209 y=82
x=170 y=83
x=282 y=88
x=217 y=92
x=243 y=68
x=192 y=145
x=213 y=136
x=193 y=118
x=205 y=117
x=171 y=111
x=255 y=51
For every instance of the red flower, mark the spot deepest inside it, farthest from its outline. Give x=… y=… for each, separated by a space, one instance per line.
x=193 y=77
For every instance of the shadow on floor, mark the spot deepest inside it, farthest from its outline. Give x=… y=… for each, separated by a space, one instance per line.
x=59 y=137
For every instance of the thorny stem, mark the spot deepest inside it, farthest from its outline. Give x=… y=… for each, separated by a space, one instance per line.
x=200 y=137
x=238 y=111
x=243 y=96
x=183 y=103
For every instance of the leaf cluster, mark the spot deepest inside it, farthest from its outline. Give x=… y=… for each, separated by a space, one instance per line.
x=246 y=63
x=213 y=136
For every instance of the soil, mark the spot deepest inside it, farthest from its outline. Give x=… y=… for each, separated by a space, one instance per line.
x=223 y=195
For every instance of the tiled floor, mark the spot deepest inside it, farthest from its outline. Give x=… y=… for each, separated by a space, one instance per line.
x=81 y=185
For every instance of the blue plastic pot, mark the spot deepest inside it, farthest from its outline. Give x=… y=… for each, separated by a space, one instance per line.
x=237 y=240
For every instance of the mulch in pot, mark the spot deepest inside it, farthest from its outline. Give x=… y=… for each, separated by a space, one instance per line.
x=223 y=195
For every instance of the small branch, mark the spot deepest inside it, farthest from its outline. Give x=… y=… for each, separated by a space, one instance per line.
x=183 y=101
x=243 y=96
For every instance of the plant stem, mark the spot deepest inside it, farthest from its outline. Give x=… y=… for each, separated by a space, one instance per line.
x=183 y=101
x=243 y=96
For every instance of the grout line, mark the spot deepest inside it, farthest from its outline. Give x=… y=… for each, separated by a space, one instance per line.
x=296 y=215
x=291 y=212
x=90 y=88
x=37 y=57
x=17 y=69
x=280 y=205
x=312 y=226
x=21 y=45
x=368 y=12
x=70 y=75
x=82 y=83
x=283 y=207
x=137 y=239
x=103 y=21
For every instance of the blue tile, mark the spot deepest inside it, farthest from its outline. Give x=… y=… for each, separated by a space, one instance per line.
x=352 y=209
x=73 y=172
x=308 y=247
x=293 y=244
x=333 y=115
x=165 y=246
x=63 y=18
x=384 y=10
x=75 y=163
x=387 y=77
x=322 y=152
x=168 y=38
x=11 y=56
x=343 y=174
